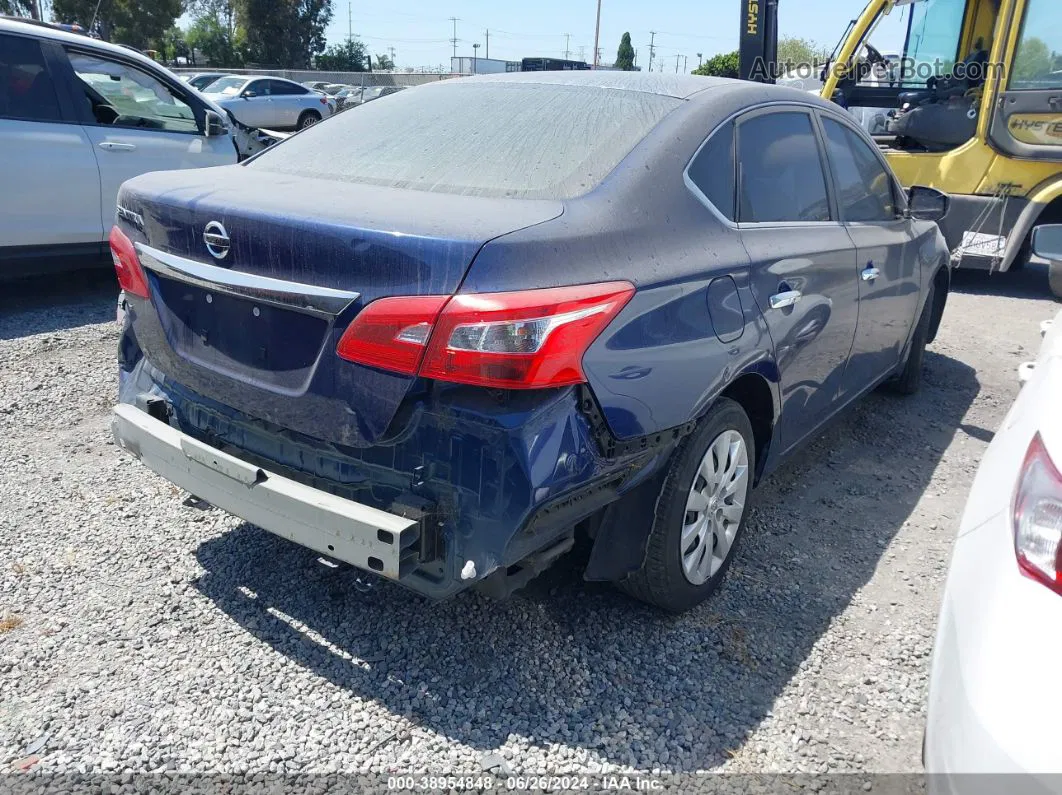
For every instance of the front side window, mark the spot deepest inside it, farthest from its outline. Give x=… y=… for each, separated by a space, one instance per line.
x=1038 y=58
x=864 y=187
x=713 y=171
x=26 y=88
x=932 y=47
x=229 y=86
x=120 y=95
x=780 y=170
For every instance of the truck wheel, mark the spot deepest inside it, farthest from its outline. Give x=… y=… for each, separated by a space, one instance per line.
x=308 y=118
x=909 y=381
x=1054 y=278
x=700 y=514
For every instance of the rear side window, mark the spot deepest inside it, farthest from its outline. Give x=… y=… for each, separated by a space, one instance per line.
x=781 y=176
x=279 y=88
x=714 y=172
x=864 y=187
x=489 y=138
x=26 y=88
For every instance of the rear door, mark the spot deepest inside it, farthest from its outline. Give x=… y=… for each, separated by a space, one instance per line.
x=803 y=261
x=137 y=123
x=51 y=193
x=1027 y=119
x=289 y=101
x=889 y=276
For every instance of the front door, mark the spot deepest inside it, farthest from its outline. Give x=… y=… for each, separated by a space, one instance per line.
x=804 y=273
x=1027 y=119
x=889 y=271
x=136 y=124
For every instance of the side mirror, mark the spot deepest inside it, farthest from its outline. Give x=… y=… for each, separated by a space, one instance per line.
x=249 y=93
x=1047 y=242
x=215 y=125
x=926 y=204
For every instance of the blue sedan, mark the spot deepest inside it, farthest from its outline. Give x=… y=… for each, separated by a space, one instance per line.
x=440 y=338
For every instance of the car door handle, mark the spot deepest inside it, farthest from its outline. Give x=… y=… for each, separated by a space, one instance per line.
x=114 y=146
x=784 y=299
x=870 y=273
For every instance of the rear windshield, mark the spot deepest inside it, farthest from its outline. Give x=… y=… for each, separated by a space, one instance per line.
x=521 y=140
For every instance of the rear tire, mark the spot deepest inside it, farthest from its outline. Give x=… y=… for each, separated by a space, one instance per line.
x=308 y=119
x=700 y=514
x=909 y=381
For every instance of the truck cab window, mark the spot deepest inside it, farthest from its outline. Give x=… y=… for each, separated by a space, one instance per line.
x=1038 y=58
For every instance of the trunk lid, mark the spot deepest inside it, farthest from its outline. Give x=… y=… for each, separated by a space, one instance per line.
x=256 y=328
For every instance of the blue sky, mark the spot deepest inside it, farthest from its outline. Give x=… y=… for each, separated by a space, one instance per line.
x=420 y=30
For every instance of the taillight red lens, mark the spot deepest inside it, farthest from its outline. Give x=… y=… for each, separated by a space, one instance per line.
x=1038 y=517
x=519 y=340
x=127 y=264
x=392 y=333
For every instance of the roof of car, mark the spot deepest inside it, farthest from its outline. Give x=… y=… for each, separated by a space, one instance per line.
x=45 y=31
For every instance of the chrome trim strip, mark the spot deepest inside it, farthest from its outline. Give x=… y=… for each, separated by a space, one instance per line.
x=309 y=298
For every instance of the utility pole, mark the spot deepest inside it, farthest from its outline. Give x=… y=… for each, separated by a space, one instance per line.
x=652 y=48
x=597 y=33
x=700 y=62
x=350 y=21
x=685 y=69
x=392 y=49
x=475 y=50
x=567 y=49
x=454 y=40
x=677 y=56
x=487 y=35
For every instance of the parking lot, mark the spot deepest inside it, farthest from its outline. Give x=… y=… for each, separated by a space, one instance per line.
x=144 y=632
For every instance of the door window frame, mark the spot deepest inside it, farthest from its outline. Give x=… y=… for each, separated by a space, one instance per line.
x=831 y=198
x=74 y=89
x=899 y=196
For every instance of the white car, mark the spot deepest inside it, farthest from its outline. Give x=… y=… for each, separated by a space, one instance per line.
x=994 y=695
x=270 y=101
x=78 y=117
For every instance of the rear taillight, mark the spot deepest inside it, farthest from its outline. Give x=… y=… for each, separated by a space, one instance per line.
x=127 y=264
x=1038 y=517
x=391 y=333
x=520 y=340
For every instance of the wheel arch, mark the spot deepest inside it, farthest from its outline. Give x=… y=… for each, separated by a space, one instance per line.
x=1044 y=207
x=622 y=529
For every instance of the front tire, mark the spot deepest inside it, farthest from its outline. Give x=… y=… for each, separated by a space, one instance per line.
x=308 y=119
x=909 y=381
x=700 y=514
x=1054 y=278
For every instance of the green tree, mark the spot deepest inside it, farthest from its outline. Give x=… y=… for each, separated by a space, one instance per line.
x=346 y=57
x=383 y=63
x=172 y=45
x=218 y=45
x=285 y=33
x=725 y=64
x=794 y=51
x=138 y=23
x=1033 y=61
x=625 y=54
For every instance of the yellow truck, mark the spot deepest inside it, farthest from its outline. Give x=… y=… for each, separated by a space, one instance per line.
x=973 y=107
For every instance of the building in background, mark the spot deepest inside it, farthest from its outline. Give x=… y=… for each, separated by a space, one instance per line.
x=482 y=66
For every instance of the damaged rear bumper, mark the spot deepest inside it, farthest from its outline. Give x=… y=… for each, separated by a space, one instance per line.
x=360 y=535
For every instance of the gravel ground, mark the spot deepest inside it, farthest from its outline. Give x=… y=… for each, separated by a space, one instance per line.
x=141 y=633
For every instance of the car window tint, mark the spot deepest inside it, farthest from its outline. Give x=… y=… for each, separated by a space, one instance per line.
x=26 y=88
x=864 y=186
x=120 y=95
x=714 y=173
x=489 y=138
x=781 y=176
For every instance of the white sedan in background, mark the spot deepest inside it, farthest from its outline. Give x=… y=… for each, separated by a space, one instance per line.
x=994 y=691
x=270 y=102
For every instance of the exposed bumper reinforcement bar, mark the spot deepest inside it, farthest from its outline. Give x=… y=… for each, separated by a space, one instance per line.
x=357 y=534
